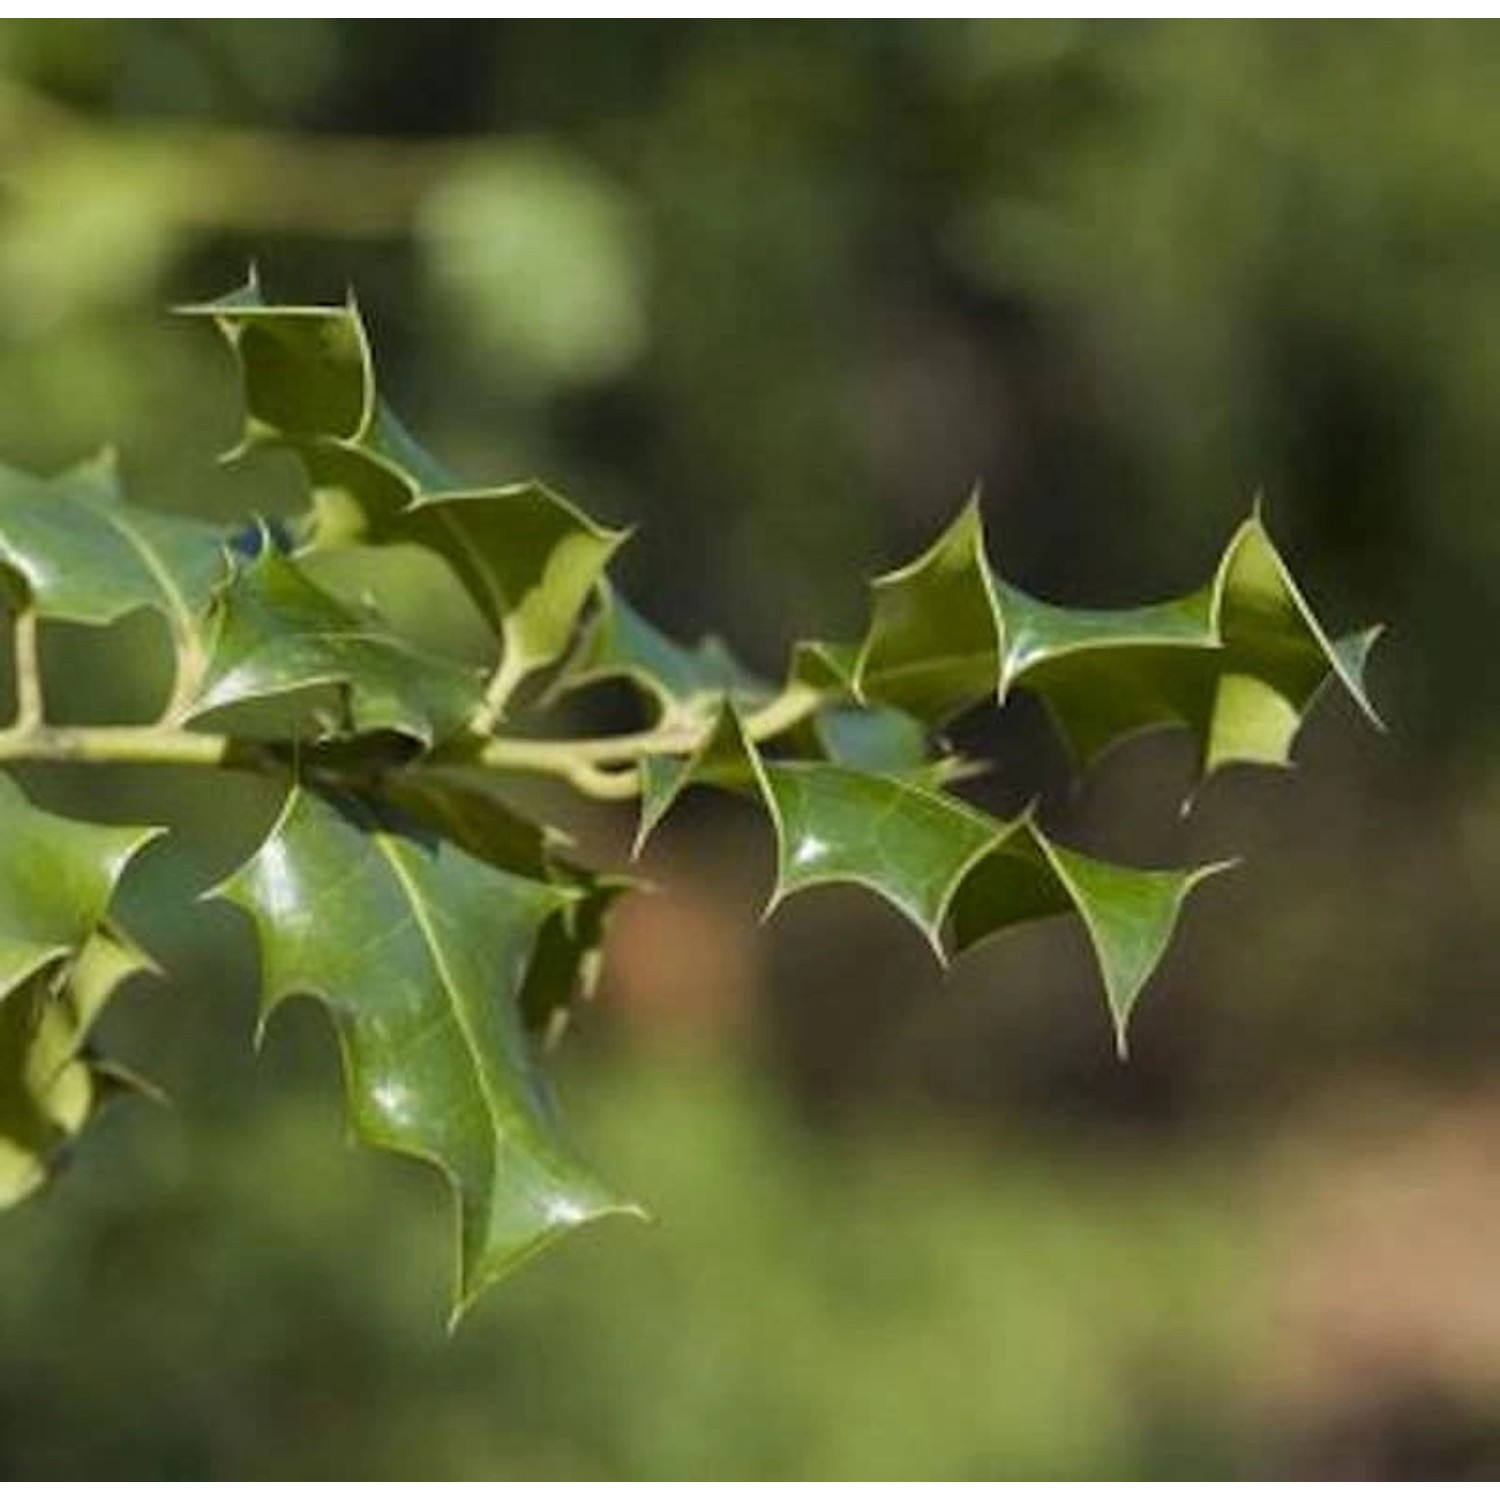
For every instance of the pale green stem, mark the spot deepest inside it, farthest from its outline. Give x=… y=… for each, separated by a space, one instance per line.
x=601 y=767
x=29 y=704
x=782 y=713
x=508 y=676
x=789 y=708
x=123 y=745
x=192 y=663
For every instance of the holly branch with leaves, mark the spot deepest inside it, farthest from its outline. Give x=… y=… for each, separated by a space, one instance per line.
x=446 y=931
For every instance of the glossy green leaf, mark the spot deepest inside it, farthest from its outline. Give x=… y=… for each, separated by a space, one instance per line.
x=906 y=843
x=50 y=1083
x=935 y=639
x=1129 y=914
x=278 y=633
x=529 y=558
x=1238 y=662
x=81 y=553
x=957 y=874
x=56 y=881
x=420 y=952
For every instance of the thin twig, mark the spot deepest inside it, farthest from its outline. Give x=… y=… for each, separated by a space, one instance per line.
x=508 y=676
x=30 y=707
x=603 y=767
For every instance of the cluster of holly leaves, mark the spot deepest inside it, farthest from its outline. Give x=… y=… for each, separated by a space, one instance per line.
x=446 y=933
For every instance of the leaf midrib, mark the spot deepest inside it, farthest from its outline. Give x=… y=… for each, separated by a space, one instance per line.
x=422 y=917
x=177 y=606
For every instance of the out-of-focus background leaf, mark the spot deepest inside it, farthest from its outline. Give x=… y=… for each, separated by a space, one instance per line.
x=780 y=294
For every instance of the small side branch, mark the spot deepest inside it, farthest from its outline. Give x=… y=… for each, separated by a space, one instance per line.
x=508 y=676
x=30 y=706
x=782 y=713
x=192 y=663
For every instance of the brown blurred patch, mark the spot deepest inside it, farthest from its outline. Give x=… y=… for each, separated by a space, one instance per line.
x=682 y=956
x=1383 y=1268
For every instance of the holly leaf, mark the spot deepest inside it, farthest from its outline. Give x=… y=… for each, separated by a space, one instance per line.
x=960 y=875
x=419 y=951
x=59 y=964
x=956 y=873
x=51 y=1084
x=80 y=553
x=277 y=634
x=1238 y=662
x=1129 y=914
x=56 y=881
x=529 y=558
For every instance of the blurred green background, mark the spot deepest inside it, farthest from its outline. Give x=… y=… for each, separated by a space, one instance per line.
x=779 y=294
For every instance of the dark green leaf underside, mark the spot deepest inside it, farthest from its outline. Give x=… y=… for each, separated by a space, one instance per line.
x=60 y=961
x=51 y=1083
